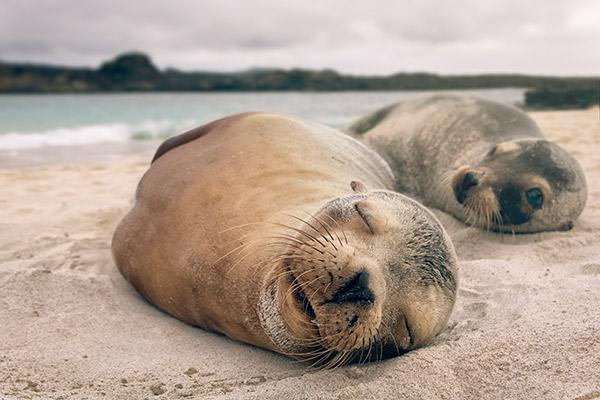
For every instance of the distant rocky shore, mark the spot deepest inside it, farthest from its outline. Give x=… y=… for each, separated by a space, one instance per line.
x=135 y=72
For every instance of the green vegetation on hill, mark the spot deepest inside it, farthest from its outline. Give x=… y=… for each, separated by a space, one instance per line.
x=136 y=72
x=562 y=98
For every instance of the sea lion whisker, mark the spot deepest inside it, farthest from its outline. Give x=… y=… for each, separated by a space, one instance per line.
x=327 y=363
x=490 y=210
x=302 y=359
x=300 y=231
x=337 y=360
x=269 y=261
x=332 y=340
x=355 y=340
x=368 y=357
x=327 y=286
x=300 y=242
x=487 y=213
x=243 y=226
x=287 y=227
x=360 y=351
x=481 y=211
x=471 y=212
x=347 y=357
x=320 y=361
x=240 y=238
x=325 y=224
x=240 y=247
x=314 y=248
x=307 y=285
x=287 y=244
x=498 y=216
x=317 y=352
x=309 y=353
x=293 y=289
x=238 y=261
x=370 y=344
x=260 y=265
x=295 y=284
x=391 y=334
x=322 y=225
x=313 y=228
x=339 y=227
x=303 y=221
x=277 y=276
x=287 y=237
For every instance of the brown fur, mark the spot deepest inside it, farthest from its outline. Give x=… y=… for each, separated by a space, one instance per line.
x=242 y=225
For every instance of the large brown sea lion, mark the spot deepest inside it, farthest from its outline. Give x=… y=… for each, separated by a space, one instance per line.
x=485 y=162
x=285 y=234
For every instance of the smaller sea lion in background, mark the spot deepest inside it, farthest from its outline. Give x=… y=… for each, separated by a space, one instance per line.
x=484 y=162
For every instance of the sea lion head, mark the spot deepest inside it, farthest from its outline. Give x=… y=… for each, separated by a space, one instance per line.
x=521 y=186
x=369 y=276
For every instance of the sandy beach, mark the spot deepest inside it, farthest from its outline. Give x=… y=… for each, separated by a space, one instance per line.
x=526 y=324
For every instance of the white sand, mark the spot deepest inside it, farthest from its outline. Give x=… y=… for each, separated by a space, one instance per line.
x=527 y=323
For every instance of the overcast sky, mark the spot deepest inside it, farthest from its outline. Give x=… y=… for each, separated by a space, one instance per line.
x=366 y=37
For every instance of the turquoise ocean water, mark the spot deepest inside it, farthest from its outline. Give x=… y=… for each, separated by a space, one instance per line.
x=36 y=121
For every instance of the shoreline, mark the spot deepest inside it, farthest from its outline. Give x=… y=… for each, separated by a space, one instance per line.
x=76 y=154
x=111 y=150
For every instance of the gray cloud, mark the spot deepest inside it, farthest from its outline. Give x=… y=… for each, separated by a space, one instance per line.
x=372 y=37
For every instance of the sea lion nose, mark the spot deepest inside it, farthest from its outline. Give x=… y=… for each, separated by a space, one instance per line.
x=510 y=209
x=468 y=181
x=355 y=291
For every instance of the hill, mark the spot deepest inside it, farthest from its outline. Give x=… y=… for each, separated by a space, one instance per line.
x=136 y=72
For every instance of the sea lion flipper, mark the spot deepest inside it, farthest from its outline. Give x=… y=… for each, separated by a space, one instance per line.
x=180 y=139
x=192 y=135
x=365 y=124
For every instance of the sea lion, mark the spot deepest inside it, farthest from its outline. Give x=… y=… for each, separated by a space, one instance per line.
x=285 y=234
x=484 y=162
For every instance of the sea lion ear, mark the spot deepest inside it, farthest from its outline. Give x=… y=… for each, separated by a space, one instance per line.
x=358 y=187
x=375 y=217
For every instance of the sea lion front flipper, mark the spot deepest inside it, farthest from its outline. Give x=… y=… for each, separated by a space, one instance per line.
x=192 y=135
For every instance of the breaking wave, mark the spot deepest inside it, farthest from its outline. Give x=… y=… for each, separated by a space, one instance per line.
x=90 y=134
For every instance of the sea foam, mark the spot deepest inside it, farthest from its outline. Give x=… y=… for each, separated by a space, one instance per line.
x=90 y=134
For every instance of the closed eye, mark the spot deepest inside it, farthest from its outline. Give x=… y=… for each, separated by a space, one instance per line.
x=364 y=217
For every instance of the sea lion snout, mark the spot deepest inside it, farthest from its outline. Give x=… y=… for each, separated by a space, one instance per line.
x=491 y=198
x=510 y=191
x=358 y=286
